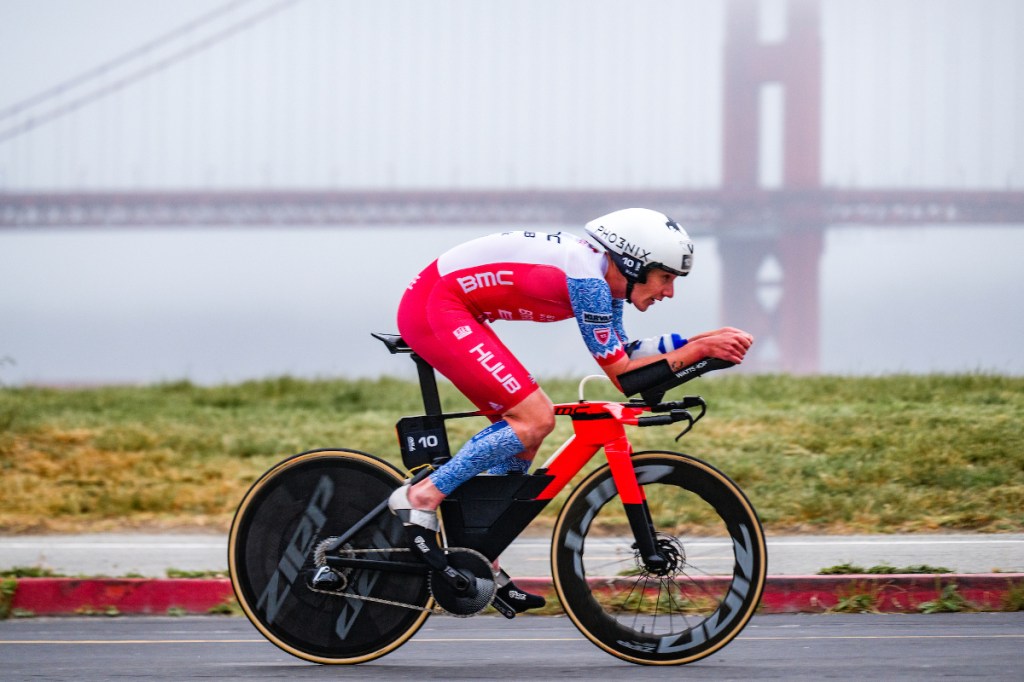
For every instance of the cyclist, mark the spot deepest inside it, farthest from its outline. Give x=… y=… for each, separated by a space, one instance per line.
x=635 y=257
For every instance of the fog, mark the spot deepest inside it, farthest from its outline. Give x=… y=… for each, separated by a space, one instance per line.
x=467 y=95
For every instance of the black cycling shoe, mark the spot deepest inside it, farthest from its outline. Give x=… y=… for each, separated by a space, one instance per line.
x=421 y=528
x=518 y=599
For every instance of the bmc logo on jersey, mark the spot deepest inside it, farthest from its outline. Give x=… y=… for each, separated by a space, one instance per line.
x=602 y=334
x=482 y=280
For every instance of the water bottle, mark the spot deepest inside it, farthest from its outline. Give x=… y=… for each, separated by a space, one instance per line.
x=656 y=345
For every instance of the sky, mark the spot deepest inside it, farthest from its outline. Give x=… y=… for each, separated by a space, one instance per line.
x=461 y=94
x=458 y=93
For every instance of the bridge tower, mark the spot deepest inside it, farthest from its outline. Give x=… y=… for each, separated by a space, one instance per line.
x=770 y=279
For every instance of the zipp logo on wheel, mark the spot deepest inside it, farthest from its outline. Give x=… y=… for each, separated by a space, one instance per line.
x=280 y=584
x=364 y=584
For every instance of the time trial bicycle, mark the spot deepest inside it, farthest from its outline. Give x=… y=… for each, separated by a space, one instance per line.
x=657 y=557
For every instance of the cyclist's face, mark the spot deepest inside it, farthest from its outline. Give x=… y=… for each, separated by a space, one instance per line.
x=660 y=284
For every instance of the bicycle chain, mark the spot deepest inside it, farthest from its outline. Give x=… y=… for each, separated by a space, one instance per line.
x=320 y=559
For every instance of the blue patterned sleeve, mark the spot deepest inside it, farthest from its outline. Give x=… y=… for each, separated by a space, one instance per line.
x=617 y=307
x=599 y=320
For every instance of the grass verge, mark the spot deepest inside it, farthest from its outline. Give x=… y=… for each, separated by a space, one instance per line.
x=816 y=454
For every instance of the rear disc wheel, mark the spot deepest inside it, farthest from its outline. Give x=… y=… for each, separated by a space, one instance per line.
x=280 y=521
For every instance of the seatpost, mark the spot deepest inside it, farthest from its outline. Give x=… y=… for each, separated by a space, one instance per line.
x=428 y=387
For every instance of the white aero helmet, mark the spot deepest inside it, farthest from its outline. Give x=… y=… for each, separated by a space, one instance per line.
x=638 y=239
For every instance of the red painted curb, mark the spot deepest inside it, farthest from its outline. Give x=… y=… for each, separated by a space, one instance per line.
x=76 y=596
x=898 y=593
x=783 y=594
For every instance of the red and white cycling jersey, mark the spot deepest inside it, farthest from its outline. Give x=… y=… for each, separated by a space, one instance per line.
x=531 y=276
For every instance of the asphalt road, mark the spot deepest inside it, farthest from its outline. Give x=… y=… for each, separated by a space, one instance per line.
x=116 y=554
x=848 y=647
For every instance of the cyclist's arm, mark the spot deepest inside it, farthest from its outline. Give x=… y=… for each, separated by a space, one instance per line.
x=600 y=321
x=726 y=344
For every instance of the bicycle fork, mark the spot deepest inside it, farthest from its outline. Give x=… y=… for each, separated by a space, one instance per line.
x=634 y=502
x=591 y=434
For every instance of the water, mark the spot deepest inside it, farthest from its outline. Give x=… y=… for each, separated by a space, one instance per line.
x=223 y=305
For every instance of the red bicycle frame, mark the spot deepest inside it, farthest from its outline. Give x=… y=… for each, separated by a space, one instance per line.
x=488 y=512
x=596 y=425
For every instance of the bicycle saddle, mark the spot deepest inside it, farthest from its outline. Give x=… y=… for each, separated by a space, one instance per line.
x=395 y=343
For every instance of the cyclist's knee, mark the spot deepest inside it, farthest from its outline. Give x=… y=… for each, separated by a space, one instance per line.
x=532 y=434
x=532 y=420
x=545 y=425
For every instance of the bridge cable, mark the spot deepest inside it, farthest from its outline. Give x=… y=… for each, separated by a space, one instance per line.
x=103 y=68
x=145 y=72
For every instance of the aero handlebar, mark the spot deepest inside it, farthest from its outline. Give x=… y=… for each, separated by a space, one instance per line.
x=653 y=380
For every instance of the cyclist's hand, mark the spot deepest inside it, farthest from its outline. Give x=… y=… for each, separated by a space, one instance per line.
x=723 y=330
x=725 y=344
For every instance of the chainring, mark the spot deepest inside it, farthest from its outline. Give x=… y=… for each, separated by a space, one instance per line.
x=448 y=598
